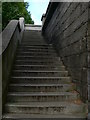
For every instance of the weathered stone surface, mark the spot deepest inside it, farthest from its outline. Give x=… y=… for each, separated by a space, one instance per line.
x=68 y=30
x=41 y=92
x=21 y=23
x=0 y=87
x=89 y=95
x=10 y=38
x=8 y=33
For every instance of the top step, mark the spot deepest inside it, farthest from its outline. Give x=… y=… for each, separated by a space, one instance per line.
x=29 y=27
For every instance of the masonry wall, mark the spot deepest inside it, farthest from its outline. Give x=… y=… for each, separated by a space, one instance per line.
x=10 y=40
x=88 y=70
x=67 y=30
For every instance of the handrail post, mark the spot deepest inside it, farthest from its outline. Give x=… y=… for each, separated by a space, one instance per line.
x=43 y=19
x=22 y=25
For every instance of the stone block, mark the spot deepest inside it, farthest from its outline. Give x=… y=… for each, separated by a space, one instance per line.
x=68 y=32
x=89 y=95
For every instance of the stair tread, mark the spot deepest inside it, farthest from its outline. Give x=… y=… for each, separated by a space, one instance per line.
x=36 y=52
x=28 y=116
x=44 y=104
x=39 y=77
x=41 y=93
x=36 y=45
x=40 y=85
x=45 y=57
x=40 y=45
x=41 y=66
x=39 y=71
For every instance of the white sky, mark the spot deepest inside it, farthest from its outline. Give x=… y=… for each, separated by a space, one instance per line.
x=37 y=8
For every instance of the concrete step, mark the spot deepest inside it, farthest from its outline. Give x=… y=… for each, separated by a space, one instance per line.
x=40 y=40
x=45 y=108
x=44 y=45
x=36 y=54
x=38 y=59
x=36 y=50
x=41 y=80
x=36 y=62
x=39 y=67
x=41 y=96
x=41 y=87
x=34 y=38
x=36 y=46
x=34 y=43
x=29 y=73
x=14 y=116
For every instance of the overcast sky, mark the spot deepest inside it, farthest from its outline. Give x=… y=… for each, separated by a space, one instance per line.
x=37 y=8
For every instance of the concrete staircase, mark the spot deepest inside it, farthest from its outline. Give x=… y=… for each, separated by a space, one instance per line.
x=40 y=85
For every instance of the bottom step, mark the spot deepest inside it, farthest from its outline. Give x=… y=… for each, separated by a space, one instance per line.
x=48 y=108
x=42 y=117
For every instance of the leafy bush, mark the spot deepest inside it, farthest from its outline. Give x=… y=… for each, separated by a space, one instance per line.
x=15 y=10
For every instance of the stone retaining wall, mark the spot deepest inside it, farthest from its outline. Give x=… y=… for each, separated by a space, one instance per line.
x=67 y=31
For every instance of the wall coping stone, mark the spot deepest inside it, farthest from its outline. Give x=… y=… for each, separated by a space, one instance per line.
x=7 y=34
x=49 y=13
x=31 y=25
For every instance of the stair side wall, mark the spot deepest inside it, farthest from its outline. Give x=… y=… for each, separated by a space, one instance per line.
x=10 y=39
x=88 y=48
x=67 y=30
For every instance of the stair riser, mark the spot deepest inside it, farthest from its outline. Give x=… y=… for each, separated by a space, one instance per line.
x=38 y=60
x=40 y=89
x=44 y=110
x=43 y=68
x=38 y=57
x=40 y=40
x=40 y=46
x=41 y=98
x=33 y=35
x=34 y=38
x=36 y=50
x=37 y=54
x=41 y=81
x=35 y=42
x=37 y=63
x=37 y=74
